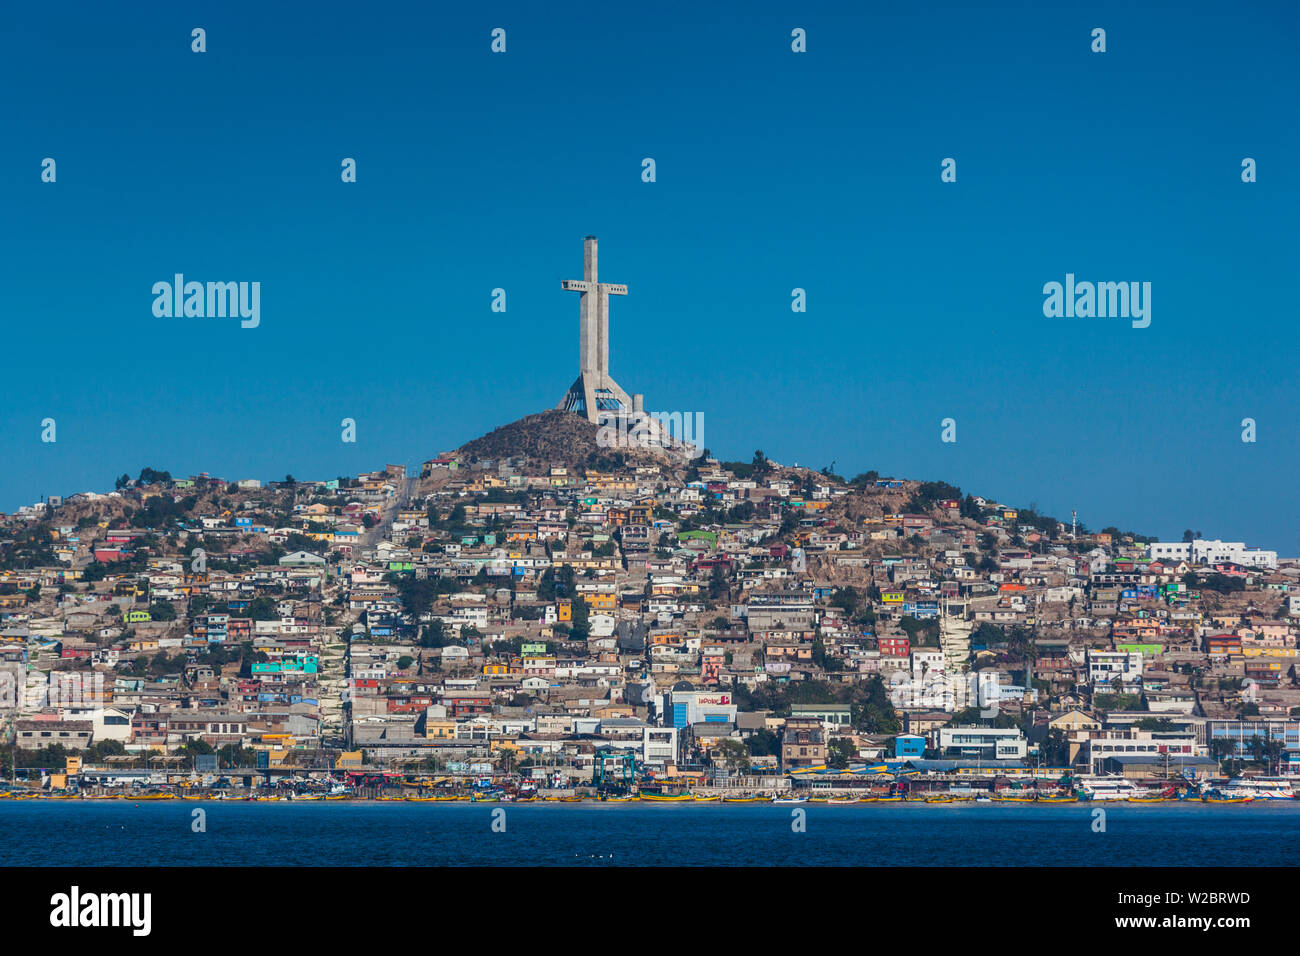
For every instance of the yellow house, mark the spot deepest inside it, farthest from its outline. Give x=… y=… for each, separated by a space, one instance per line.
x=601 y=602
x=440 y=729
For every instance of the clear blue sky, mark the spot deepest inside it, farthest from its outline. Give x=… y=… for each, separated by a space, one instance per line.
x=775 y=170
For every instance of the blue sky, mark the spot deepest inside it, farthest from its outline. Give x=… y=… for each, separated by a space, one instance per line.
x=775 y=170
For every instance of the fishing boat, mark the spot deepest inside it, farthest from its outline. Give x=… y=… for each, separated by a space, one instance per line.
x=703 y=799
x=1070 y=799
x=789 y=799
x=744 y=799
x=1112 y=788
x=667 y=798
x=889 y=799
x=616 y=800
x=1014 y=799
x=842 y=801
x=1211 y=798
x=1262 y=788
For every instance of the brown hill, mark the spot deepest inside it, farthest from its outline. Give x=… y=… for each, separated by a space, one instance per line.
x=547 y=436
x=561 y=438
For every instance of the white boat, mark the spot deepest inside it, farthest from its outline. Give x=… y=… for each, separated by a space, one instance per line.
x=789 y=799
x=1113 y=788
x=1261 y=788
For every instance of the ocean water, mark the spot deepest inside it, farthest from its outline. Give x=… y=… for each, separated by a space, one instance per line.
x=122 y=833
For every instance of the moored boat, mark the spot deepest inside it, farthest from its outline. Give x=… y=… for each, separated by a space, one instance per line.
x=667 y=798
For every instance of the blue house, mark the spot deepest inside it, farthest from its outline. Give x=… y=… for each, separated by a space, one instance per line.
x=909 y=746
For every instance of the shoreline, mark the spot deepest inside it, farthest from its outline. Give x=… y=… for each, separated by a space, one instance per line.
x=650 y=800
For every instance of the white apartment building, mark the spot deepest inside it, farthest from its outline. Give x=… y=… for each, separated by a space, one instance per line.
x=1212 y=552
x=1110 y=667
x=1129 y=743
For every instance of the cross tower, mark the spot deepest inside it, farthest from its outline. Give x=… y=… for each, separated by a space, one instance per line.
x=594 y=391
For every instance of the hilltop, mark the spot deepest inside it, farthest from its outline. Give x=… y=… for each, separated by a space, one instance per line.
x=560 y=437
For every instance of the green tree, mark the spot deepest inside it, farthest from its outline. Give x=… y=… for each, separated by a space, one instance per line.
x=581 y=629
x=839 y=753
x=162 y=611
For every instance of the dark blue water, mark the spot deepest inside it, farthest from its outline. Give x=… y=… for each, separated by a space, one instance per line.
x=67 y=833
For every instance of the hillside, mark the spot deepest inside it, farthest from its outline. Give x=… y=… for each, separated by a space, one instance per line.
x=558 y=437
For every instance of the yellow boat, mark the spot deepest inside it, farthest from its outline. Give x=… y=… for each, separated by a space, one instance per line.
x=1014 y=799
x=940 y=800
x=1146 y=799
x=700 y=799
x=745 y=800
x=1058 y=799
x=617 y=800
x=662 y=798
x=1228 y=799
x=889 y=799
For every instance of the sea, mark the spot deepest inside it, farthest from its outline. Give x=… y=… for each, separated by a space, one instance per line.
x=237 y=833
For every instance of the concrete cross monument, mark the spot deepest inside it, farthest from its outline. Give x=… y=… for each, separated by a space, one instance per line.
x=594 y=391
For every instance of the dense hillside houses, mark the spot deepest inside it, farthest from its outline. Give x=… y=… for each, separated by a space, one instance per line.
x=699 y=622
